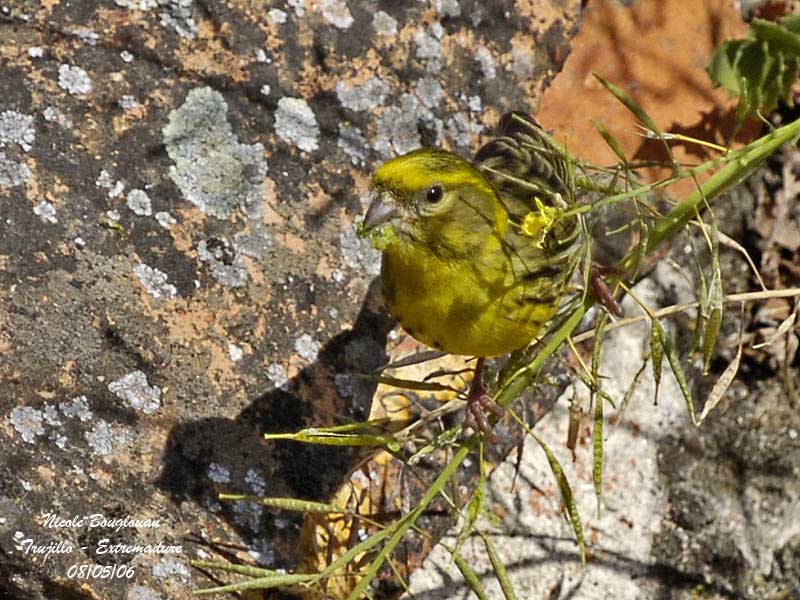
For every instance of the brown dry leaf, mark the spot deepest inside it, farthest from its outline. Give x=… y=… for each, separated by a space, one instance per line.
x=657 y=53
x=778 y=215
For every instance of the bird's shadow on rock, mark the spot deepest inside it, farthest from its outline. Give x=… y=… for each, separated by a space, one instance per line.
x=213 y=455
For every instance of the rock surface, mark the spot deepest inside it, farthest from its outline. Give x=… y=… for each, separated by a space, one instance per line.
x=179 y=270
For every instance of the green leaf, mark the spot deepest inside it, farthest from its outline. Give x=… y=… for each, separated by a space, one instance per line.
x=566 y=494
x=656 y=353
x=722 y=66
x=762 y=69
x=615 y=146
x=677 y=370
x=470 y=577
x=597 y=446
x=499 y=569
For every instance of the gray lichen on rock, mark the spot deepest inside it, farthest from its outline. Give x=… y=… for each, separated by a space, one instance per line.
x=384 y=23
x=78 y=407
x=277 y=375
x=134 y=389
x=366 y=96
x=353 y=143
x=218 y=473
x=155 y=282
x=227 y=265
x=45 y=211
x=12 y=173
x=295 y=123
x=27 y=422
x=100 y=438
x=298 y=6
x=169 y=567
x=488 y=64
x=359 y=253
x=16 y=128
x=397 y=131
x=337 y=13
x=212 y=168
x=307 y=347
x=74 y=80
x=448 y=8
x=278 y=16
x=176 y=14
x=139 y=202
x=165 y=219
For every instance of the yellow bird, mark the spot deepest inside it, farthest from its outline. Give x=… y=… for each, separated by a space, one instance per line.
x=476 y=255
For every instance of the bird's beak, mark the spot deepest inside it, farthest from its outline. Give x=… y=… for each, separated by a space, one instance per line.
x=382 y=209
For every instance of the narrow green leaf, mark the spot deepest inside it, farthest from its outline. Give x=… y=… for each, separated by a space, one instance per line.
x=680 y=376
x=611 y=141
x=410 y=384
x=475 y=506
x=597 y=446
x=629 y=103
x=261 y=583
x=777 y=35
x=702 y=310
x=470 y=577
x=499 y=569
x=399 y=529
x=792 y=23
x=597 y=429
x=721 y=67
x=233 y=568
x=566 y=495
x=656 y=353
x=318 y=436
x=291 y=504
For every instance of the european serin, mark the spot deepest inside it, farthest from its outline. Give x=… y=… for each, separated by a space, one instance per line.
x=476 y=255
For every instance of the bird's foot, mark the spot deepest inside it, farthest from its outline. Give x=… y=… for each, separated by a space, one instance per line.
x=478 y=404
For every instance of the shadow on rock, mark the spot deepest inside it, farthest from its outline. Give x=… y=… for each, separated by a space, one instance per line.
x=209 y=456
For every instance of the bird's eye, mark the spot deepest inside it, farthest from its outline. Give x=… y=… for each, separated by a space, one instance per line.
x=434 y=194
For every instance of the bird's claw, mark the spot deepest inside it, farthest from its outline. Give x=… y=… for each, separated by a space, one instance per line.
x=477 y=406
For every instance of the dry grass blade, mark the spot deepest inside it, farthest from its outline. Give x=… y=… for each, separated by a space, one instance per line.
x=731 y=243
x=715 y=302
x=724 y=382
x=784 y=327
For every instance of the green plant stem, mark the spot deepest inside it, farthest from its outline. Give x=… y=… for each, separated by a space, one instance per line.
x=745 y=162
x=406 y=522
x=728 y=176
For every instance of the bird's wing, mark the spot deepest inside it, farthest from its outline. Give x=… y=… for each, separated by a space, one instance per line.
x=535 y=181
x=522 y=162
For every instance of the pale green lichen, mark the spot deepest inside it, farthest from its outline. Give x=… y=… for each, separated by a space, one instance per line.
x=212 y=168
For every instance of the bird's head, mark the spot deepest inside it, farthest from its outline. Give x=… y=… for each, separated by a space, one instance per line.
x=433 y=199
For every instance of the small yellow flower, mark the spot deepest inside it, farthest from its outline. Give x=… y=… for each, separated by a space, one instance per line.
x=537 y=224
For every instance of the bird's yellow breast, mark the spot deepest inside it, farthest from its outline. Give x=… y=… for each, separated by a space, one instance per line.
x=454 y=306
